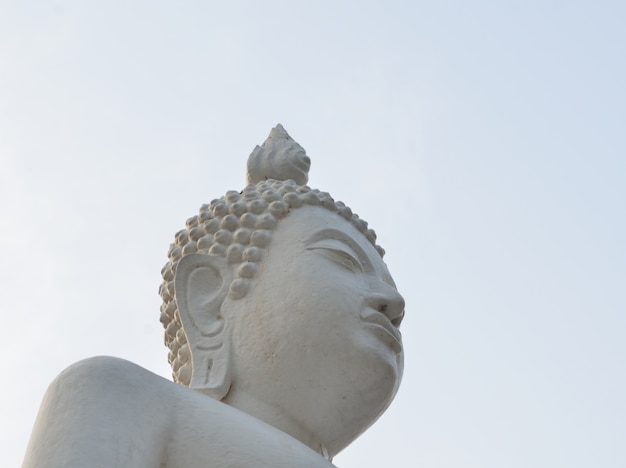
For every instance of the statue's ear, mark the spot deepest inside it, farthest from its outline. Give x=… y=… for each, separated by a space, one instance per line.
x=201 y=284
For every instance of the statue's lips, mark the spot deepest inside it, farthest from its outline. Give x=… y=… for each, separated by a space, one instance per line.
x=384 y=329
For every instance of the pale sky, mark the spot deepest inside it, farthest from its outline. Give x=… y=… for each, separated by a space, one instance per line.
x=484 y=141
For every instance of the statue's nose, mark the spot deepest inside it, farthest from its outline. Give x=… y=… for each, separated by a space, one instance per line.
x=387 y=300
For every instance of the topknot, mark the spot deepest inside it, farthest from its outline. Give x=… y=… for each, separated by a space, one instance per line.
x=279 y=158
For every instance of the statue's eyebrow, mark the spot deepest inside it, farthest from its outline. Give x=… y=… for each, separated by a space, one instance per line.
x=344 y=238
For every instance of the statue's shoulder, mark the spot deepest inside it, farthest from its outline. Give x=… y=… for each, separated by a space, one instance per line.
x=109 y=406
x=105 y=387
x=107 y=374
x=96 y=365
x=100 y=367
x=102 y=410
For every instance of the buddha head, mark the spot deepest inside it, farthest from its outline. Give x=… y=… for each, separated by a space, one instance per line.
x=277 y=297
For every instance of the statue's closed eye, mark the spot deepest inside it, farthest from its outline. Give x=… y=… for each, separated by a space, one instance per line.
x=340 y=257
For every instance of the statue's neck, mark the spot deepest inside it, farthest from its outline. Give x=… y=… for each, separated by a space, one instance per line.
x=278 y=418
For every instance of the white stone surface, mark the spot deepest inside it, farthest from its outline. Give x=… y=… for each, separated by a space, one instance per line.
x=279 y=157
x=289 y=341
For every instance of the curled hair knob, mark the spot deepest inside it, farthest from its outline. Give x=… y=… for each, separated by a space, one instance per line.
x=278 y=158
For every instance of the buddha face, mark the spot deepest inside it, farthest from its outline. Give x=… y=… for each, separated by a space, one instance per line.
x=316 y=337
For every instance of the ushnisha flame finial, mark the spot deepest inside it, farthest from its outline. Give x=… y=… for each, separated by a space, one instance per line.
x=279 y=158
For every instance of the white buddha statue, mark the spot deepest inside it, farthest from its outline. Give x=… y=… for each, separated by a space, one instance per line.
x=282 y=323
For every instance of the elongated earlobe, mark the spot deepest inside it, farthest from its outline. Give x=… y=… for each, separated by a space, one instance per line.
x=201 y=285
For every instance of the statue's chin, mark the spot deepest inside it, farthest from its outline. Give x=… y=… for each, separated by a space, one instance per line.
x=370 y=401
x=328 y=405
x=359 y=398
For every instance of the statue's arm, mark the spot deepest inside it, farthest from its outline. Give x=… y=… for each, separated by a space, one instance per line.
x=98 y=412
